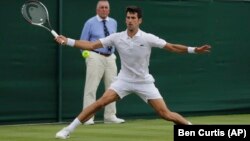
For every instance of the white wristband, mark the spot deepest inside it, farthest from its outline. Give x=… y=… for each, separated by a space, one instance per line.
x=71 y=42
x=191 y=50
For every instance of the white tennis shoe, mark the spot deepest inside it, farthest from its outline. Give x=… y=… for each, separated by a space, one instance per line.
x=63 y=134
x=89 y=122
x=114 y=119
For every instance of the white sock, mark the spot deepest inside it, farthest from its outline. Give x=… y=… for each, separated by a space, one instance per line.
x=76 y=122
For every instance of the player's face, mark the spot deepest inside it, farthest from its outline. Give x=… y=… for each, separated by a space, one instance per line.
x=102 y=9
x=132 y=21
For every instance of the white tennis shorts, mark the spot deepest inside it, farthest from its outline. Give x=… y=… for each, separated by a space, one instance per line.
x=145 y=91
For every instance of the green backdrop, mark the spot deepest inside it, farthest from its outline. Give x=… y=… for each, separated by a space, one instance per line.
x=42 y=82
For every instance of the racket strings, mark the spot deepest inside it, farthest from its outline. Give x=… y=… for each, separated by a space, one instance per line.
x=36 y=13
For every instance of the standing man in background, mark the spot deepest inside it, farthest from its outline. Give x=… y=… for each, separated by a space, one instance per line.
x=101 y=63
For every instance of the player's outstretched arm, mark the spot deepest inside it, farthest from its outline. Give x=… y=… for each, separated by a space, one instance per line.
x=185 y=49
x=82 y=44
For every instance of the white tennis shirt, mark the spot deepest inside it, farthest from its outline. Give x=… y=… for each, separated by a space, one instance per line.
x=134 y=54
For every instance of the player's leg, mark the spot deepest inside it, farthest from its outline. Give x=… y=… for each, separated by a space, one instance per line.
x=108 y=97
x=162 y=109
x=150 y=94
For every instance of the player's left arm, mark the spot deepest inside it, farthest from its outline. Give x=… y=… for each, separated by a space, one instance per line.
x=178 y=48
x=81 y=44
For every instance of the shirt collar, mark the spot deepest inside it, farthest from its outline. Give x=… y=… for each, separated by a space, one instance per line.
x=100 y=19
x=138 y=34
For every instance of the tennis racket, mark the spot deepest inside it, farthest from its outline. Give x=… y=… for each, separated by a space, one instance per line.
x=37 y=14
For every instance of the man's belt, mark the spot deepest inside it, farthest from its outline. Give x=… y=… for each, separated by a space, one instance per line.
x=104 y=54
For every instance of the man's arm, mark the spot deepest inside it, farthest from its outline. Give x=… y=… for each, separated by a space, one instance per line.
x=185 y=49
x=82 y=44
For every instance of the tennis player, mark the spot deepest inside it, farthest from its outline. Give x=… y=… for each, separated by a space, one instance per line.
x=134 y=48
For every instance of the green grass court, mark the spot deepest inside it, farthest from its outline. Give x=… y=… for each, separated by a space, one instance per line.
x=132 y=130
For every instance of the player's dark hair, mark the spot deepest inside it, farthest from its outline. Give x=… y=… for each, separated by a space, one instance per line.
x=134 y=9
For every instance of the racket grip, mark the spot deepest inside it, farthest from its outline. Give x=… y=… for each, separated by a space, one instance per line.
x=54 y=33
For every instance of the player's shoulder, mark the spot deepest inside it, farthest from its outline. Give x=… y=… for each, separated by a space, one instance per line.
x=118 y=35
x=151 y=38
x=147 y=34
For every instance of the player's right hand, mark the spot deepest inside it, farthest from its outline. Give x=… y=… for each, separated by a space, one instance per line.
x=61 y=40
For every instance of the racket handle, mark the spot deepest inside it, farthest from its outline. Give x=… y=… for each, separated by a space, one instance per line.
x=54 y=33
